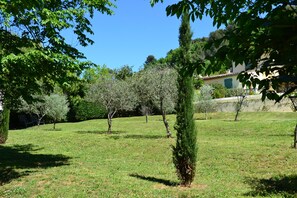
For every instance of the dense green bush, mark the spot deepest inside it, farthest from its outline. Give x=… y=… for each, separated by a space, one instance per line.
x=198 y=82
x=219 y=91
x=4 y=125
x=85 y=110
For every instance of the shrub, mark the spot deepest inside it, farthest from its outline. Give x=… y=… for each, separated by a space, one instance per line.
x=204 y=102
x=88 y=110
x=198 y=82
x=235 y=92
x=4 y=124
x=219 y=91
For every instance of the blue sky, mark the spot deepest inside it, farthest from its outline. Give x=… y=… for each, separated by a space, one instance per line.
x=135 y=31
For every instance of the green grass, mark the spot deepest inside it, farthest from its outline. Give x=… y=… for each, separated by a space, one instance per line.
x=252 y=157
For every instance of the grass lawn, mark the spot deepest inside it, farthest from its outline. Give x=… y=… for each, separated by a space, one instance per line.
x=252 y=157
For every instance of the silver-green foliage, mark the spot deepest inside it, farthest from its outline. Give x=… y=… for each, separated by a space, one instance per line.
x=54 y=106
x=142 y=85
x=161 y=83
x=38 y=107
x=113 y=94
x=205 y=102
x=57 y=107
x=157 y=85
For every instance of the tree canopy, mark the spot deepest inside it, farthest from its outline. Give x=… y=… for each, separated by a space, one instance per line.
x=32 y=44
x=150 y=60
x=261 y=33
x=33 y=48
x=113 y=94
x=124 y=72
x=57 y=107
x=156 y=86
x=201 y=52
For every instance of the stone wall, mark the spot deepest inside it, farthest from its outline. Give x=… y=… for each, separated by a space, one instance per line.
x=253 y=104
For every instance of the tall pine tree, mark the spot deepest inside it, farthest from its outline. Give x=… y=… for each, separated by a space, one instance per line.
x=185 y=151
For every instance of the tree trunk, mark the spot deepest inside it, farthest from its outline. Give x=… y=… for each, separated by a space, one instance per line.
x=169 y=134
x=146 y=117
x=39 y=119
x=236 y=116
x=145 y=111
x=239 y=106
x=54 y=125
x=109 y=120
x=4 y=124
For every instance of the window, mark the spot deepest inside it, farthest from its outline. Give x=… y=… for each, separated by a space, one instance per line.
x=228 y=83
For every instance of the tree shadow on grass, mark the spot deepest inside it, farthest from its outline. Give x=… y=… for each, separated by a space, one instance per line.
x=285 y=186
x=53 y=130
x=140 y=137
x=281 y=135
x=21 y=157
x=201 y=118
x=8 y=174
x=100 y=132
x=156 y=180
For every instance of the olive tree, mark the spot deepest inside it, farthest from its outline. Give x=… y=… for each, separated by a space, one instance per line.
x=241 y=101
x=144 y=92
x=114 y=95
x=54 y=106
x=205 y=101
x=162 y=82
x=57 y=106
x=37 y=107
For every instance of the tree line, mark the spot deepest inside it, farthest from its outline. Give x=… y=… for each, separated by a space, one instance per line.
x=100 y=92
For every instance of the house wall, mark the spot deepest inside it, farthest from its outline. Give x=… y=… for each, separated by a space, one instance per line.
x=238 y=68
x=232 y=76
x=221 y=80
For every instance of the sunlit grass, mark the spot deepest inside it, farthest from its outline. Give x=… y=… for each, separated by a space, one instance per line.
x=236 y=159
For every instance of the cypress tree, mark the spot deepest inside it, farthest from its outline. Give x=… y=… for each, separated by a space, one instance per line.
x=185 y=150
